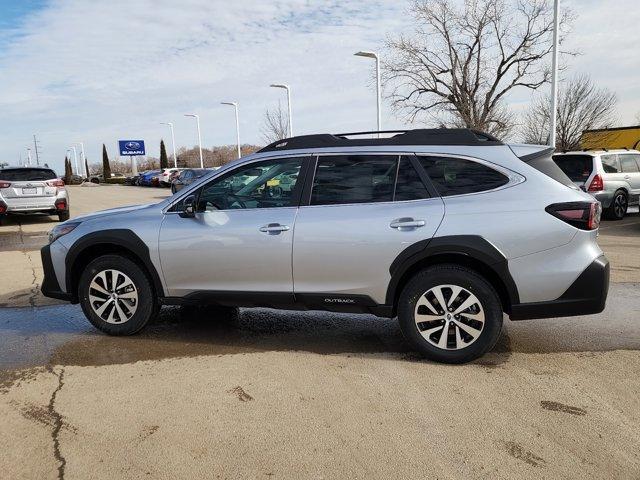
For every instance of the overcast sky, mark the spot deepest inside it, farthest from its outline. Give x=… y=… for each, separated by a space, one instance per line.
x=99 y=71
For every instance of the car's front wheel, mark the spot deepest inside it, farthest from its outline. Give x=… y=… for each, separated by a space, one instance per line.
x=450 y=314
x=116 y=295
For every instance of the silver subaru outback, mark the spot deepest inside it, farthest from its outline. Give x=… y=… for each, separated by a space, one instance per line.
x=444 y=229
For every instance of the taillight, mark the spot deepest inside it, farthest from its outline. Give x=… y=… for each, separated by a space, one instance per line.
x=582 y=215
x=56 y=183
x=3 y=207
x=61 y=204
x=4 y=184
x=597 y=184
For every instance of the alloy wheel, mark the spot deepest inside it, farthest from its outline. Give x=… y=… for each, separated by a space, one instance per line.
x=113 y=296
x=620 y=205
x=449 y=317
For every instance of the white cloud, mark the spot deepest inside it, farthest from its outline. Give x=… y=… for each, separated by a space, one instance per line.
x=99 y=71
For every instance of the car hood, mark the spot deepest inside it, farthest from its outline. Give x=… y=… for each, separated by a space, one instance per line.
x=113 y=211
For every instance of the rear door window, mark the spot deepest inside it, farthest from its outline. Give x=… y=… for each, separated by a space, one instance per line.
x=457 y=176
x=345 y=179
x=577 y=167
x=610 y=163
x=628 y=164
x=27 y=174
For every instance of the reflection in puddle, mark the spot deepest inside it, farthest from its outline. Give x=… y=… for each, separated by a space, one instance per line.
x=61 y=335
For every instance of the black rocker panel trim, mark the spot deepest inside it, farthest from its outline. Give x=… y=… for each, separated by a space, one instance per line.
x=333 y=302
x=123 y=238
x=585 y=296
x=472 y=246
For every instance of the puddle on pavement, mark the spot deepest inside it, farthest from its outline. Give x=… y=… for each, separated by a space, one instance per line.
x=61 y=335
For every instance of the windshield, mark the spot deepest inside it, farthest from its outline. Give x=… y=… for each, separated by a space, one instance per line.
x=27 y=174
x=577 y=167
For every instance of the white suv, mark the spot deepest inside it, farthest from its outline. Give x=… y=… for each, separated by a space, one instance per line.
x=445 y=229
x=611 y=176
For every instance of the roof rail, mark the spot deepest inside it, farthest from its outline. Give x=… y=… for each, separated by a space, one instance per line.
x=425 y=136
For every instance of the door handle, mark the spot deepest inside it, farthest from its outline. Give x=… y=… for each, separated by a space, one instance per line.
x=274 y=228
x=407 y=223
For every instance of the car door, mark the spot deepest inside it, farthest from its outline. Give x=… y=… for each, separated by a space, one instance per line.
x=240 y=239
x=360 y=211
x=630 y=171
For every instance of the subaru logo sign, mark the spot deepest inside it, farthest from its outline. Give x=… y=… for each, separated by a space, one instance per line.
x=131 y=147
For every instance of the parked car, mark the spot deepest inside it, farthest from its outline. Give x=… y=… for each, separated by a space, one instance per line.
x=187 y=177
x=99 y=178
x=445 y=229
x=32 y=189
x=164 y=178
x=611 y=176
x=146 y=178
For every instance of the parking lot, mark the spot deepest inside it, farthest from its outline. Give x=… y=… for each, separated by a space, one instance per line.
x=308 y=394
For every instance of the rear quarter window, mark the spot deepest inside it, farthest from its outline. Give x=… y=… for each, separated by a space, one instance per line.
x=457 y=176
x=543 y=162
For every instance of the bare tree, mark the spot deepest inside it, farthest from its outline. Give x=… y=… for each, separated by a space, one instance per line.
x=276 y=125
x=581 y=106
x=459 y=64
x=637 y=118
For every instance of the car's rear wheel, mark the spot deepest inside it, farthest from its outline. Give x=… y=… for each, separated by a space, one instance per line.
x=63 y=216
x=619 y=205
x=450 y=314
x=173 y=188
x=116 y=295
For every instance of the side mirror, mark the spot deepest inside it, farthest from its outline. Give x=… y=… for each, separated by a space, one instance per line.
x=189 y=207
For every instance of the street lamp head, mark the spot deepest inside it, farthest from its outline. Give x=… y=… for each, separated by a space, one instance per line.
x=166 y=123
x=366 y=54
x=233 y=104
x=191 y=115
x=279 y=85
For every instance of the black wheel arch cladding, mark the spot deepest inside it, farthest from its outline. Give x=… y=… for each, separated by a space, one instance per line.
x=109 y=242
x=472 y=247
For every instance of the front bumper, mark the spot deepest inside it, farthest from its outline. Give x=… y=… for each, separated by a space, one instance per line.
x=50 y=286
x=586 y=296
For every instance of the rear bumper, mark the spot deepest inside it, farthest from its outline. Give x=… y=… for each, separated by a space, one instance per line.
x=50 y=286
x=35 y=204
x=587 y=295
x=605 y=198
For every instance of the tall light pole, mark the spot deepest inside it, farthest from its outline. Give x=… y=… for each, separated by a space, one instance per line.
x=83 y=157
x=235 y=105
x=377 y=59
x=554 y=74
x=286 y=87
x=29 y=156
x=75 y=159
x=173 y=143
x=199 y=137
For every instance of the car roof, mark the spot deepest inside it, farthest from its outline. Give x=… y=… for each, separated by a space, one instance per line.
x=423 y=136
x=598 y=152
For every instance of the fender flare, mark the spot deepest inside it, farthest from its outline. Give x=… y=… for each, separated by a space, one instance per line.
x=121 y=237
x=475 y=247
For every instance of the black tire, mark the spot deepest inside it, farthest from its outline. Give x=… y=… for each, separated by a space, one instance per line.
x=450 y=274
x=147 y=306
x=63 y=216
x=619 y=205
x=173 y=188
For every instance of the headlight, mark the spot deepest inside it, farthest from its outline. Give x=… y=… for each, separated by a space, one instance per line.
x=61 y=230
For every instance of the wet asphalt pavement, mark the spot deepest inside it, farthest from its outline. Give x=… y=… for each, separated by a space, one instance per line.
x=60 y=335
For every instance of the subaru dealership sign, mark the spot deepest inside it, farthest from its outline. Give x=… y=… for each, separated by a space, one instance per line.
x=131 y=147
